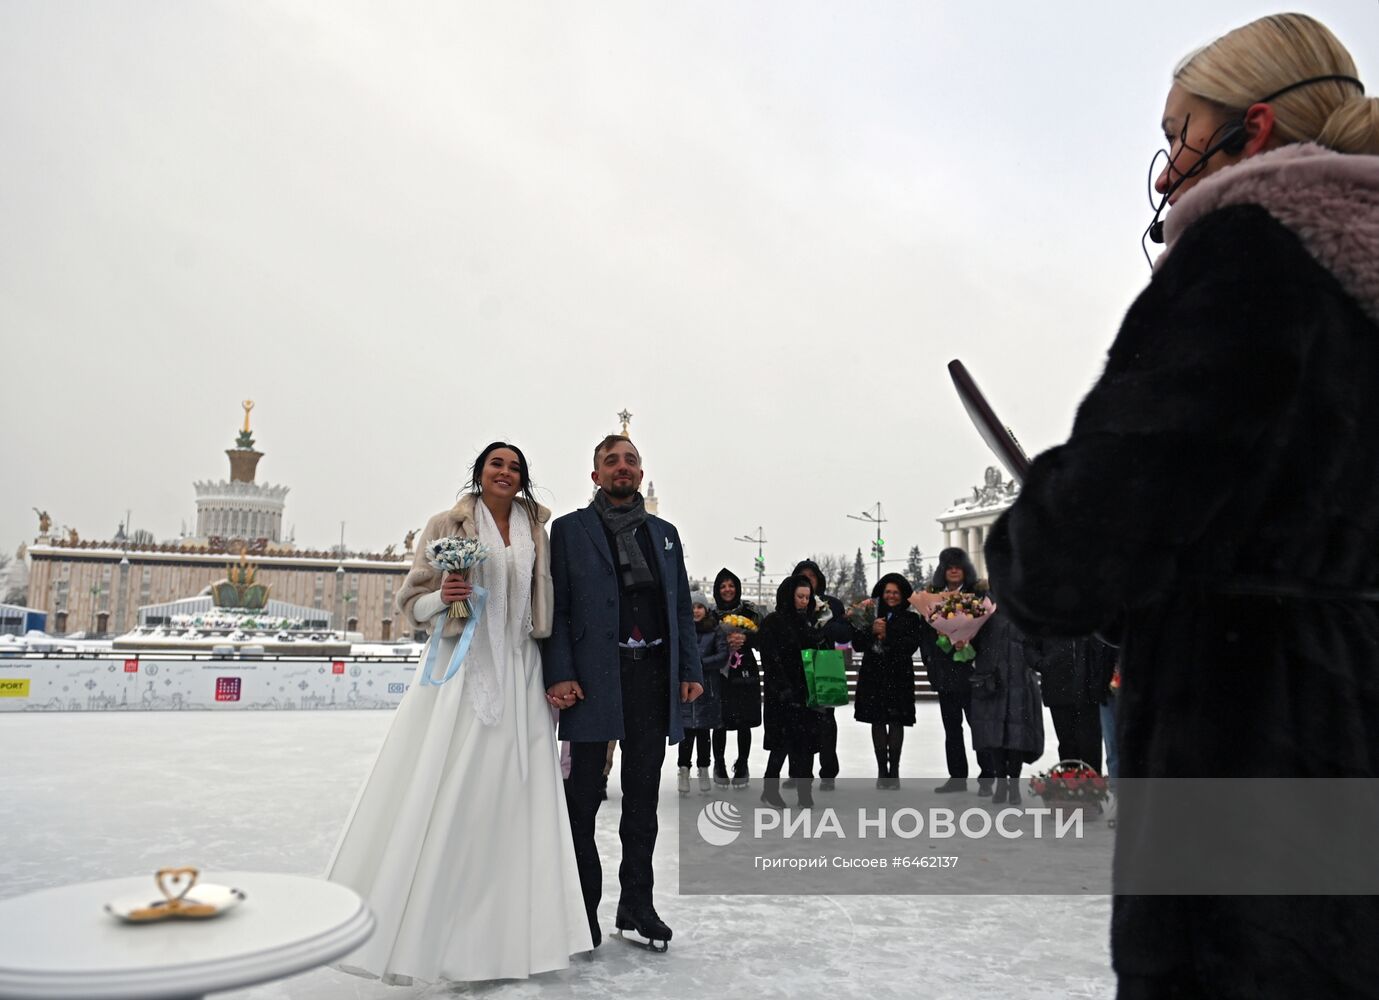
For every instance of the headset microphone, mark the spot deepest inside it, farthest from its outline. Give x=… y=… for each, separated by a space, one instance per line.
x=1230 y=139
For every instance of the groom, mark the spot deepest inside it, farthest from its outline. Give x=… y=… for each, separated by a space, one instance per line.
x=620 y=660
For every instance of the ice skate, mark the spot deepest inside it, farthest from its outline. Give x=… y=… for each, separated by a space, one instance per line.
x=644 y=921
x=682 y=781
x=740 y=774
x=705 y=782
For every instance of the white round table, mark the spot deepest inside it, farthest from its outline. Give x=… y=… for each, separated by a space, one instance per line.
x=60 y=944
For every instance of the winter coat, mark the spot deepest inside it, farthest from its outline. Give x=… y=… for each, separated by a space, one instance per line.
x=459 y=522
x=784 y=634
x=836 y=630
x=583 y=645
x=946 y=675
x=1007 y=712
x=886 y=679
x=1075 y=671
x=1223 y=471
x=741 y=690
x=705 y=711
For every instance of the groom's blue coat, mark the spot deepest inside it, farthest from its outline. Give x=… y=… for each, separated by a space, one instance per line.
x=583 y=645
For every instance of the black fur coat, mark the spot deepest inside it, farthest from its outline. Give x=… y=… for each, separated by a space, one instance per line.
x=1232 y=443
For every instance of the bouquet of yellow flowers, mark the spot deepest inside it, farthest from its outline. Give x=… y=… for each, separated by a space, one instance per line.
x=738 y=669
x=737 y=623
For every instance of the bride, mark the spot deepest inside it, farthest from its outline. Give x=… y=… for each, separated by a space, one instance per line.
x=460 y=839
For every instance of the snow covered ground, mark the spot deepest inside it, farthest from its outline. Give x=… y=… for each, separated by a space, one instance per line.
x=96 y=795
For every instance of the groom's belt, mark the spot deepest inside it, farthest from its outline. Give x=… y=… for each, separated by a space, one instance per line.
x=641 y=652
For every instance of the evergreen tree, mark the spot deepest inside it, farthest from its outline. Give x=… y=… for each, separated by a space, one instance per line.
x=914 y=569
x=858 y=583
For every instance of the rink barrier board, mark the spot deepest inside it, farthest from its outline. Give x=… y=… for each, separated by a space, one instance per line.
x=121 y=683
x=137 y=683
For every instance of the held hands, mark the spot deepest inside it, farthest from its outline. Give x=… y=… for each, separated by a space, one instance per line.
x=878 y=628
x=564 y=694
x=455 y=588
x=736 y=641
x=690 y=691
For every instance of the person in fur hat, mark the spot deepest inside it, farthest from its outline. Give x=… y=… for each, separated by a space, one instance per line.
x=835 y=628
x=794 y=731
x=950 y=678
x=740 y=701
x=1215 y=506
x=886 y=680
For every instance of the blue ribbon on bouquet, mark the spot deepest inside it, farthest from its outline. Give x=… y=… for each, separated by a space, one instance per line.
x=477 y=600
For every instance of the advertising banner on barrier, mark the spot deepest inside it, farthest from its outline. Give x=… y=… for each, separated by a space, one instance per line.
x=123 y=683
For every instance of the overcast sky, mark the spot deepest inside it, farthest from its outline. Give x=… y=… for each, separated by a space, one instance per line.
x=406 y=230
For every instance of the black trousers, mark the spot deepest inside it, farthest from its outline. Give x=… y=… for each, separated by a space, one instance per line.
x=694 y=739
x=645 y=684
x=951 y=709
x=801 y=763
x=828 y=747
x=1078 y=728
x=720 y=745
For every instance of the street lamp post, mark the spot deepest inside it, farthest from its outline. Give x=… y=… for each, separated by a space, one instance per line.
x=760 y=563
x=878 y=546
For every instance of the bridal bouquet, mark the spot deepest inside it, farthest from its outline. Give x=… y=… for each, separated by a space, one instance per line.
x=739 y=624
x=457 y=555
x=957 y=618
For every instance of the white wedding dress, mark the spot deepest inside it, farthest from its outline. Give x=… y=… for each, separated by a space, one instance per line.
x=460 y=841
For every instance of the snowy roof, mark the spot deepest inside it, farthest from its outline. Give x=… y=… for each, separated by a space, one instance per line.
x=171 y=553
x=997 y=494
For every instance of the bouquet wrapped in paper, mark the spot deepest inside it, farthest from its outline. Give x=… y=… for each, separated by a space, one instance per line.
x=957 y=618
x=737 y=625
x=457 y=555
x=862 y=616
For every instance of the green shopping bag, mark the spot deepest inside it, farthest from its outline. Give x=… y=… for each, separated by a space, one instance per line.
x=825 y=674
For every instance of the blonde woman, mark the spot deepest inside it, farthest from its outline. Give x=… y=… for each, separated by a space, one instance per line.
x=1219 y=500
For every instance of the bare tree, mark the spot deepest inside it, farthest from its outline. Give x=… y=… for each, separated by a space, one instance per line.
x=13 y=588
x=835 y=571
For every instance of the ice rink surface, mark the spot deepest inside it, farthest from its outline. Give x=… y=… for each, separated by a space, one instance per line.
x=97 y=795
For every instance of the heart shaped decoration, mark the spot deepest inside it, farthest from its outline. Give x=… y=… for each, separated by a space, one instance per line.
x=175 y=883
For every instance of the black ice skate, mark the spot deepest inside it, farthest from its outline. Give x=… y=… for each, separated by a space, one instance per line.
x=644 y=921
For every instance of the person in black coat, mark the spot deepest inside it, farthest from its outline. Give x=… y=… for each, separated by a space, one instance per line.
x=701 y=715
x=837 y=631
x=1007 y=713
x=793 y=730
x=1074 y=675
x=951 y=679
x=1216 y=507
x=886 y=679
x=741 y=689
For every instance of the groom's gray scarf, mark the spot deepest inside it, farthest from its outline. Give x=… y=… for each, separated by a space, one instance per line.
x=623 y=522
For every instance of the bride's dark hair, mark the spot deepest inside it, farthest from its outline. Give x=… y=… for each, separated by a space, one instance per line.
x=524 y=487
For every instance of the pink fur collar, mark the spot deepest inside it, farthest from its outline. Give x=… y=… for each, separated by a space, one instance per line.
x=1329 y=199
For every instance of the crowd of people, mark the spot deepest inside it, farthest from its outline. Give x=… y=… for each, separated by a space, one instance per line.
x=1218 y=474
x=754 y=678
